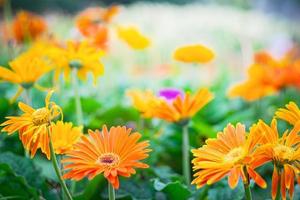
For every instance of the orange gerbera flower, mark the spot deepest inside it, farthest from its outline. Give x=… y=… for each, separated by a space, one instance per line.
x=33 y=124
x=268 y=76
x=143 y=101
x=284 y=152
x=291 y=114
x=227 y=155
x=88 y=20
x=28 y=26
x=92 y=23
x=181 y=108
x=193 y=54
x=114 y=153
x=64 y=136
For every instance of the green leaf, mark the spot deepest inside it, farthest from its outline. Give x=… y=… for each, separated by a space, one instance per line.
x=22 y=167
x=13 y=185
x=173 y=190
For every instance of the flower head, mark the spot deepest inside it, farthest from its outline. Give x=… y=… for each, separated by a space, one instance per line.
x=115 y=152
x=32 y=125
x=26 y=69
x=284 y=152
x=193 y=54
x=92 y=23
x=89 y=20
x=64 y=136
x=80 y=55
x=267 y=76
x=27 y=26
x=229 y=155
x=291 y=114
x=132 y=37
x=182 y=108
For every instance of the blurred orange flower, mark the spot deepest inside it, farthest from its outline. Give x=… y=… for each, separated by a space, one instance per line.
x=229 y=155
x=284 y=152
x=33 y=125
x=27 y=26
x=194 y=54
x=182 y=108
x=92 y=23
x=268 y=76
x=133 y=37
x=115 y=152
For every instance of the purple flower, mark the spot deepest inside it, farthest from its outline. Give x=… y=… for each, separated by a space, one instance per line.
x=170 y=94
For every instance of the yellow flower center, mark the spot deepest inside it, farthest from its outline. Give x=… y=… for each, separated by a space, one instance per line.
x=235 y=155
x=41 y=116
x=283 y=153
x=109 y=160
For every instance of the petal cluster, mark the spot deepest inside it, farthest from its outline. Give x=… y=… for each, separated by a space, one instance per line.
x=33 y=125
x=114 y=152
x=194 y=54
x=230 y=154
x=267 y=76
x=283 y=152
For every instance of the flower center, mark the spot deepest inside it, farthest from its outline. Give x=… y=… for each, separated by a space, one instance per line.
x=108 y=160
x=75 y=64
x=41 y=116
x=235 y=155
x=283 y=153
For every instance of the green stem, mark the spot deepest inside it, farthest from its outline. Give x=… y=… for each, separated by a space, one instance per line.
x=7 y=12
x=79 y=114
x=57 y=170
x=247 y=185
x=247 y=191
x=186 y=155
x=111 y=192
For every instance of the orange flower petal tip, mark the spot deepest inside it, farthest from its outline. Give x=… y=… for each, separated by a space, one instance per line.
x=194 y=54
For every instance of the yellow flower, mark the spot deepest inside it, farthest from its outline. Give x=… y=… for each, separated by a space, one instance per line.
x=227 y=155
x=133 y=37
x=80 y=55
x=143 y=101
x=284 y=152
x=194 y=54
x=25 y=70
x=32 y=125
x=64 y=136
x=291 y=114
x=180 y=108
